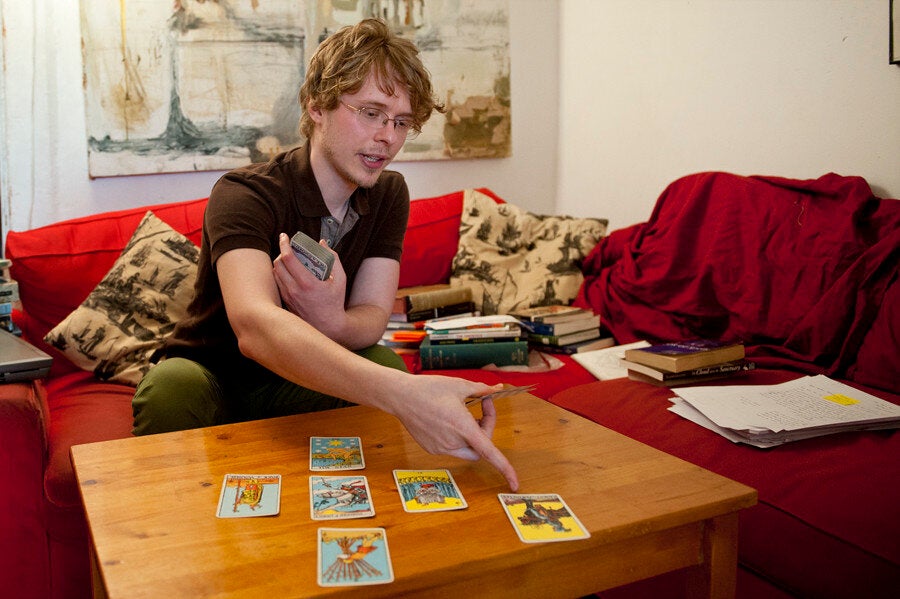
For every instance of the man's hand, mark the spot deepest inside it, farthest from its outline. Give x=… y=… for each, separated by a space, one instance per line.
x=434 y=413
x=320 y=303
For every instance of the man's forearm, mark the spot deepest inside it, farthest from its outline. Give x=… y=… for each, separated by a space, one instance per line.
x=363 y=326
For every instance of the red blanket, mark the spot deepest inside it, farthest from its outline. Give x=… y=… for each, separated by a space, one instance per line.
x=801 y=271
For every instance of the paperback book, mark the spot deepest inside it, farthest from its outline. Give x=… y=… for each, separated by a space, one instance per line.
x=686 y=355
x=639 y=372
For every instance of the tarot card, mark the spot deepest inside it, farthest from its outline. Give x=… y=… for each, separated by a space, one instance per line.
x=542 y=518
x=249 y=495
x=353 y=556
x=428 y=491
x=336 y=453
x=337 y=497
x=502 y=393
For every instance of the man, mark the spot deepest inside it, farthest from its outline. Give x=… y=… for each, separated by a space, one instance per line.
x=263 y=336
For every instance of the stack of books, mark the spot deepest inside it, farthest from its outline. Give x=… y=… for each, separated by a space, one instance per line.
x=563 y=329
x=473 y=342
x=9 y=295
x=685 y=362
x=413 y=306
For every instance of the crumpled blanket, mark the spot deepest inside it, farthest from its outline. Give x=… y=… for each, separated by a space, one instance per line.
x=796 y=269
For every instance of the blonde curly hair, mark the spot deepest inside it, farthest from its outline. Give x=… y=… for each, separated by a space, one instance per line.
x=342 y=63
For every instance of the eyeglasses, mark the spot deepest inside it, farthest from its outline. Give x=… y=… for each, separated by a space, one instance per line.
x=373 y=118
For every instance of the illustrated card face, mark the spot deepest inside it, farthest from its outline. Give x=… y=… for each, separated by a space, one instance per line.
x=338 y=497
x=249 y=495
x=353 y=556
x=428 y=491
x=542 y=518
x=335 y=453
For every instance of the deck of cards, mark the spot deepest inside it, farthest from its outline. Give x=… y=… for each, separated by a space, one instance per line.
x=360 y=556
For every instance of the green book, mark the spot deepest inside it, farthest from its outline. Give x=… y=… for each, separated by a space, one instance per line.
x=472 y=355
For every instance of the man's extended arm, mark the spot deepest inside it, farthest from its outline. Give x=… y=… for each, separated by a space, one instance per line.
x=430 y=407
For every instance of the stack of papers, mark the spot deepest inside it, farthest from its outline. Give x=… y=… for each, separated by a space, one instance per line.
x=769 y=415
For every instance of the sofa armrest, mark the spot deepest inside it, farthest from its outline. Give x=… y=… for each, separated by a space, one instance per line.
x=23 y=451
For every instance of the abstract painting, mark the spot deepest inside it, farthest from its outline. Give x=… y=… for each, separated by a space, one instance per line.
x=198 y=85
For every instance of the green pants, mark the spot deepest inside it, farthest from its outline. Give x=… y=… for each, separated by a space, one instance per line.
x=179 y=394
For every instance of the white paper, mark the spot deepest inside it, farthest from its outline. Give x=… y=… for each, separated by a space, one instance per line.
x=765 y=415
x=605 y=364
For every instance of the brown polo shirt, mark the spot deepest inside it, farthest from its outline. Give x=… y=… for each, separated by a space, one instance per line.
x=248 y=208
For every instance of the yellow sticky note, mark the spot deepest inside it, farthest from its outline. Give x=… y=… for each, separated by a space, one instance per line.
x=841 y=399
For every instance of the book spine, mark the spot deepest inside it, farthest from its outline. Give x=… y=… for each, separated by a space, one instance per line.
x=449 y=310
x=458 y=340
x=565 y=339
x=564 y=328
x=438 y=298
x=472 y=355
x=715 y=370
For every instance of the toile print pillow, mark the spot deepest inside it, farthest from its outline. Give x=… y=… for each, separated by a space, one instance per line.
x=514 y=259
x=126 y=318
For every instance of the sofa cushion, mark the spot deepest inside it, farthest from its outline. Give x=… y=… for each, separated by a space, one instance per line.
x=58 y=265
x=432 y=237
x=125 y=319
x=82 y=410
x=826 y=505
x=513 y=259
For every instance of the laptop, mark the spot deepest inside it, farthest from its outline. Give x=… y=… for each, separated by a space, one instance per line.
x=21 y=361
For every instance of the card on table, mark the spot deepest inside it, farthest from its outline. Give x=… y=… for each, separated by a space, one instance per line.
x=502 y=393
x=249 y=495
x=540 y=518
x=337 y=497
x=335 y=453
x=353 y=556
x=428 y=490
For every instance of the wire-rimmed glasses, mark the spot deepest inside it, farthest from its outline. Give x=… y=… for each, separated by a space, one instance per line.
x=374 y=118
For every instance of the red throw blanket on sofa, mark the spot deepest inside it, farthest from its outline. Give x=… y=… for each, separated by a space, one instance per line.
x=803 y=272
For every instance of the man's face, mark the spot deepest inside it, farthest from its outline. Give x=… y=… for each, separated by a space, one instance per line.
x=347 y=153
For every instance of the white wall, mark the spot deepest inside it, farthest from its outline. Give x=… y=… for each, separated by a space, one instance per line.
x=612 y=100
x=655 y=89
x=45 y=174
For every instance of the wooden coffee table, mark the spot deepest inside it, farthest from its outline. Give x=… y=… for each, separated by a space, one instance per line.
x=151 y=506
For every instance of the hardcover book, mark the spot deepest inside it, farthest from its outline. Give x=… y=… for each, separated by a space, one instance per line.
x=472 y=355
x=428 y=297
x=582 y=323
x=550 y=314
x=579 y=347
x=593 y=333
x=686 y=355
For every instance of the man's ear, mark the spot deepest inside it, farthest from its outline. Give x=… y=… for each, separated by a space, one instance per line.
x=313 y=110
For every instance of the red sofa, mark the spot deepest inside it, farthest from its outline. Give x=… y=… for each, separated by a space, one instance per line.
x=825 y=501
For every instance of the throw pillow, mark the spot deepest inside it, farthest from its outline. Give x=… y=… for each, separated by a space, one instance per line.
x=514 y=259
x=126 y=318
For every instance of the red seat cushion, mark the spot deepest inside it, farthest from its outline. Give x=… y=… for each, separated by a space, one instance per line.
x=826 y=523
x=432 y=238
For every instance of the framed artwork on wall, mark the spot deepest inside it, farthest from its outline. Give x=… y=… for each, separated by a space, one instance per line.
x=895 y=32
x=198 y=86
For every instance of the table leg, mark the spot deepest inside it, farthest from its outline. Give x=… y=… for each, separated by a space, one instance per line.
x=716 y=576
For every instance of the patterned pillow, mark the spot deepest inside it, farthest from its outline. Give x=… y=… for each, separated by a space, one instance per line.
x=514 y=259
x=115 y=331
